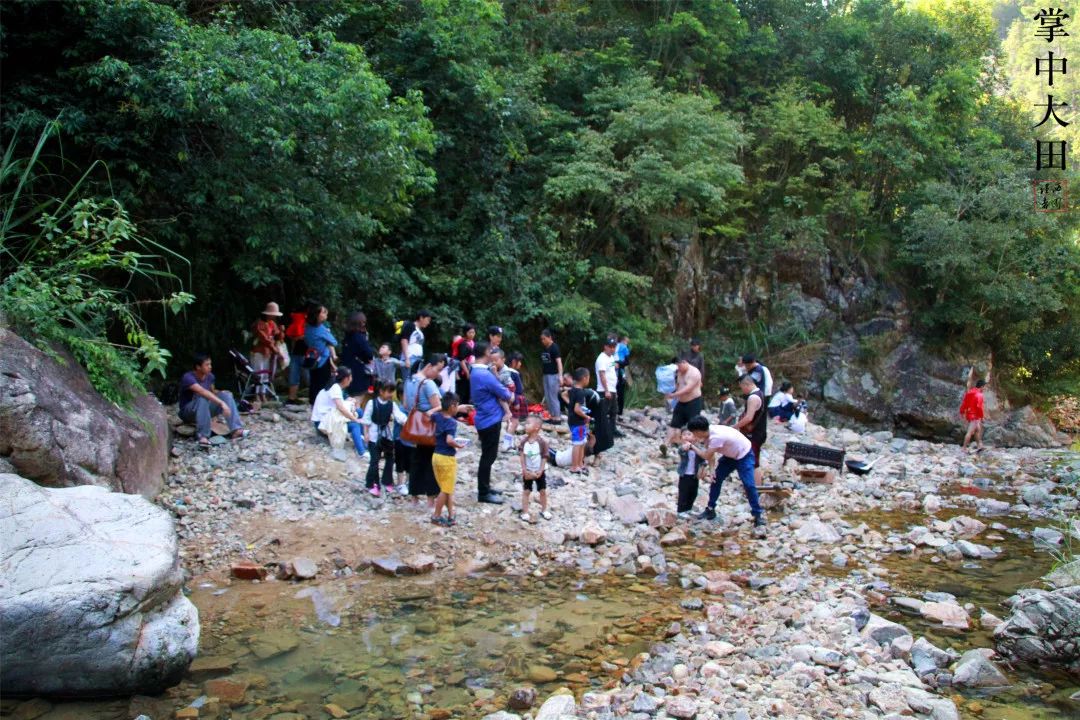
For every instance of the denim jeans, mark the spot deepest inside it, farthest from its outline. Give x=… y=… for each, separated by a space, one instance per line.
x=199 y=411
x=745 y=468
x=551 y=396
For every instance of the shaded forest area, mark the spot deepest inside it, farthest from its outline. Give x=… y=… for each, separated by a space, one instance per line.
x=656 y=168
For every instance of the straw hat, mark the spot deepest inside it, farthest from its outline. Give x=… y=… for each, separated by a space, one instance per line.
x=271 y=309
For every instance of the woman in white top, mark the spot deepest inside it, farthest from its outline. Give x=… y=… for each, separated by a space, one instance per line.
x=332 y=399
x=782 y=405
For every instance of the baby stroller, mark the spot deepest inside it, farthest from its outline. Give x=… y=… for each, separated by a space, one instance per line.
x=250 y=382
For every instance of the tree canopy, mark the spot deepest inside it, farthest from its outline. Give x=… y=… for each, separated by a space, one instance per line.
x=646 y=166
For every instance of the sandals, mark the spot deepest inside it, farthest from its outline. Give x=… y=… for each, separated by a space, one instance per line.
x=451 y=521
x=440 y=520
x=204 y=443
x=238 y=434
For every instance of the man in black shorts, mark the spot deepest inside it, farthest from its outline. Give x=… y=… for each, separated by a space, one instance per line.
x=687 y=397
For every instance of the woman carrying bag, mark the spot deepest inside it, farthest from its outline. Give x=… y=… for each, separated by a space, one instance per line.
x=422 y=401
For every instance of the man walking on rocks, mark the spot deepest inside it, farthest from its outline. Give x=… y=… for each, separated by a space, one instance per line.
x=754 y=422
x=552 y=368
x=687 y=397
x=735 y=454
x=606 y=381
x=487 y=392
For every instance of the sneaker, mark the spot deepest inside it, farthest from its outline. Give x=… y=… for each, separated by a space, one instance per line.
x=760 y=525
x=451 y=521
x=524 y=517
x=374 y=491
x=403 y=489
x=545 y=514
x=709 y=514
x=439 y=521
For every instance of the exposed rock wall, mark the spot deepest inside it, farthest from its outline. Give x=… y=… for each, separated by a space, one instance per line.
x=56 y=430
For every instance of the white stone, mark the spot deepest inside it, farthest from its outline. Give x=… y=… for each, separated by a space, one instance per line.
x=91 y=577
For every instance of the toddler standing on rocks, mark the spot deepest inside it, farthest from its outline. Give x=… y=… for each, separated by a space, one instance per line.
x=533 y=451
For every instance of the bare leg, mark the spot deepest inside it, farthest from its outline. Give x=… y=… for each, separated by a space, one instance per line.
x=543 y=500
x=450 y=513
x=440 y=503
x=967 y=437
x=524 y=502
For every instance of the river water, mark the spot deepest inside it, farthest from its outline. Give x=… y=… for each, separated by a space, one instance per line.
x=381 y=648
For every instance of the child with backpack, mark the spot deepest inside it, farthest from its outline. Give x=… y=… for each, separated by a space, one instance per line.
x=380 y=417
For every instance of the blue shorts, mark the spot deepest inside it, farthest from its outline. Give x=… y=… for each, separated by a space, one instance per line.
x=579 y=434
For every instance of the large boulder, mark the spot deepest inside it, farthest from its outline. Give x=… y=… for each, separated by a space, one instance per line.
x=56 y=430
x=879 y=376
x=90 y=593
x=1044 y=627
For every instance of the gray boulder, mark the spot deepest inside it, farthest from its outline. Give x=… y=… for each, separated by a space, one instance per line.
x=1024 y=428
x=56 y=430
x=90 y=595
x=974 y=670
x=1044 y=627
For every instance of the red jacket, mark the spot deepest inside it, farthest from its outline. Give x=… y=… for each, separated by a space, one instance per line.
x=972 y=406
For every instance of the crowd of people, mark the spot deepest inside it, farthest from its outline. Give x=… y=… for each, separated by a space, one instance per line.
x=400 y=406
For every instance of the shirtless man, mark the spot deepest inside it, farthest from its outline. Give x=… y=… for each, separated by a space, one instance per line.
x=687 y=397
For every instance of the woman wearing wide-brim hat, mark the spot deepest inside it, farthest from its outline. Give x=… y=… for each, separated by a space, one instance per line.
x=264 y=351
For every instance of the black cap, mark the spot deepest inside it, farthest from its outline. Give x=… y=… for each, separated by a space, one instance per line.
x=749 y=357
x=611 y=342
x=695 y=341
x=494 y=330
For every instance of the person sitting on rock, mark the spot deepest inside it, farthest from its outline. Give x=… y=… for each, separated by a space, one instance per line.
x=199 y=401
x=783 y=404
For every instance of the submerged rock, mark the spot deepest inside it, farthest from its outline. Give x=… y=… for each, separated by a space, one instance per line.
x=91 y=601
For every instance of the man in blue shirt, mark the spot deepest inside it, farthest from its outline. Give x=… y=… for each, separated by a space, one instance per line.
x=622 y=357
x=486 y=392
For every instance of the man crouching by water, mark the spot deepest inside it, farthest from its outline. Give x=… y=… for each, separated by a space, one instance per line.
x=735 y=453
x=199 y=401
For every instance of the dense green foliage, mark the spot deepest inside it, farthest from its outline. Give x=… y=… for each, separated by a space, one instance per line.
x=71 y=260
x=664 y=167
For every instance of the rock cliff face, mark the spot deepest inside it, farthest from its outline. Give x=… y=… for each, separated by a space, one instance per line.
x=90 y=593
x=56 y=430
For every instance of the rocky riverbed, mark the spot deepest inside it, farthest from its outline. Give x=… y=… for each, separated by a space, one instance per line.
x=871 y=596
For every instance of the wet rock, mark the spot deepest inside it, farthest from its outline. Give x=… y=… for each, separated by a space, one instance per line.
x=1043 y=627
x=522 y=698
x=989 y=506
x=245 y=570
x=1064 y=575
x=230 y=692
x=964 y=526
x=418 y=565
x=974 y=670
x=556 y=707
x=335 y=711
x=273 y=643
x=1047 y=537
x=91 y=600
x=691 y=603
x=502 y=715
x=948 y=614
x=673 y=538
x=680 y=706
x=541 y=674
x=390 y=566
x=883 y=631
x=927 y=658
